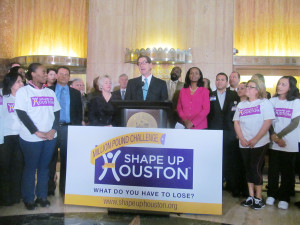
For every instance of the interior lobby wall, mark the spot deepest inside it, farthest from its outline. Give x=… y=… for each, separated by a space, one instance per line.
x=204 y=26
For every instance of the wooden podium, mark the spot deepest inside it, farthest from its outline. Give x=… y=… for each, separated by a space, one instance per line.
x=143 y=114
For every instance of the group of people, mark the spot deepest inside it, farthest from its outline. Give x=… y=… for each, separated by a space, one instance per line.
x=37 y=108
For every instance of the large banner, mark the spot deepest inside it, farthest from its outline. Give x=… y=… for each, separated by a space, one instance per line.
x=167 y=170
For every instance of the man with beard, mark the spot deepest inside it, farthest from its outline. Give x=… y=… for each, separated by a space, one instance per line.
x=174 y=86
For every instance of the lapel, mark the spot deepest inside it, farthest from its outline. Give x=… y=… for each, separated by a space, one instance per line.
x=169 y=87
x=151 y=86
x=217 y=102
x=119 y=94
x=139 y=89
x=179 y=85
x=227 y=100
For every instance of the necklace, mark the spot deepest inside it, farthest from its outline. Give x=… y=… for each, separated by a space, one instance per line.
x=193 y=90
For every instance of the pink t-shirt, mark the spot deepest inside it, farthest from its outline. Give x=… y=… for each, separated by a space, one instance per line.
x=194 y=107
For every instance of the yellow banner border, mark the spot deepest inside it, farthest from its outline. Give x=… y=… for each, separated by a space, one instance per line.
x=182 y=207
x=109 y=146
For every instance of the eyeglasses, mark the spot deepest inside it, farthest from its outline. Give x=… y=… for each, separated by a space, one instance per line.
x=142 y=63
x=250 y=87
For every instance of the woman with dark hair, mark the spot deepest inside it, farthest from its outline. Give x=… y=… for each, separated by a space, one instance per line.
x=95 y=90
x=252 y=120
x=284 y=146
x=11 y=158
x=19 y=70
x=193 y=103
x=38 y=110
x=206 y=82
x=51 y=77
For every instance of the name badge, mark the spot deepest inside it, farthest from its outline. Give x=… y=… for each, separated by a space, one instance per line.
x=213 y=98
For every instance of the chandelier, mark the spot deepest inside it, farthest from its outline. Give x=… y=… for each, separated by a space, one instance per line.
x=160 y=55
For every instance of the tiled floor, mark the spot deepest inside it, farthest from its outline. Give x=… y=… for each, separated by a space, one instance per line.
x=233 y=213
x=99 y=219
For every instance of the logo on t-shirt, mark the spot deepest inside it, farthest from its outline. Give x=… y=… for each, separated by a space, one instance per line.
x=282 y=112
x=42 y=101
x=250 y=111
x=10 y=107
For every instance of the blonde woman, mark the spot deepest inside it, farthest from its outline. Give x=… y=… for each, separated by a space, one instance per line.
x=100 y=110
x=252 y=121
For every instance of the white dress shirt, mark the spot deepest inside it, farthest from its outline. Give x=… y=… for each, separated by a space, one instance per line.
x=221 y=97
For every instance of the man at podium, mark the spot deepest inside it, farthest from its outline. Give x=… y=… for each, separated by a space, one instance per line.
x=146 y=87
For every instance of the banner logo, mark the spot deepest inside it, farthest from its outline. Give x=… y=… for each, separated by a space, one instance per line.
x=119 y=164
x=110 y=165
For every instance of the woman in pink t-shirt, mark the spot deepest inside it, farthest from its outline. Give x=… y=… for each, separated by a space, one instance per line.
x=193 y=103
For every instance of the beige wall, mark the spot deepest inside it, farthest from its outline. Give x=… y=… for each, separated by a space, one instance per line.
x=114 y=25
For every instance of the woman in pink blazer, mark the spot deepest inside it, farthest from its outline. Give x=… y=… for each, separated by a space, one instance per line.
x=193 y=103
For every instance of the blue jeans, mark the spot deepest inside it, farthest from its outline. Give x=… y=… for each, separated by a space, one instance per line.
x=37 y=156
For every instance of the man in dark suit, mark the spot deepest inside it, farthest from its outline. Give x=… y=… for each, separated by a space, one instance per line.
x=223 y=103
x=234 y=80
x=120 y=92
x=70 y=114
x=146 y=87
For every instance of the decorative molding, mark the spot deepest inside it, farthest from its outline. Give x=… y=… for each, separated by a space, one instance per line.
x=160 y=55
x=51 y=60
x=268 y=61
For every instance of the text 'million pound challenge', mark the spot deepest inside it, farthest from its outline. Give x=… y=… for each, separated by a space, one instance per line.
x=117 y=163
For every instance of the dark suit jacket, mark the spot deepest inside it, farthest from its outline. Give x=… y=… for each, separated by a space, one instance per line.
x=221 y=119
x=102 y=113
x=75 y=106
x=157 y=90
x=117 y=95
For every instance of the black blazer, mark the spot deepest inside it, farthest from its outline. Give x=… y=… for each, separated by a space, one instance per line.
x=102 y=113
x=222 y=119
x=75 y=106
x=157 y=90
x=117 y=95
